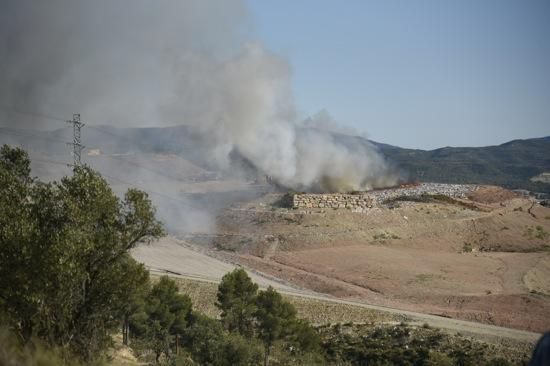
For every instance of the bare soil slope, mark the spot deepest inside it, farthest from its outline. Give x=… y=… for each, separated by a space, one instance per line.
x=485 y=258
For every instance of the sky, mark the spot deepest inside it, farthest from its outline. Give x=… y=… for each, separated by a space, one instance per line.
x=419 y=74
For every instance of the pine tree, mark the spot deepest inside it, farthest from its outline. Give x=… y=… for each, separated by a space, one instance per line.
x=275 y=318
x=237 y=301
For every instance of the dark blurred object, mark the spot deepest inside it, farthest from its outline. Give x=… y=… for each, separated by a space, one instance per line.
x=541 y=355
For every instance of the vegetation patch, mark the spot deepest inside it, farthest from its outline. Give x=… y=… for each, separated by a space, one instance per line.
x=385 y=235
x=427 y=277
x=285 y=201
x=467 y=248
x=536 y=232
x=405 y=345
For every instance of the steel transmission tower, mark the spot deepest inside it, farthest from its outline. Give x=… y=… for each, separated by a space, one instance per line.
x=76 y=144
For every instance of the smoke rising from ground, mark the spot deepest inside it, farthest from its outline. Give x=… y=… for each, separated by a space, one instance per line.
x=170 y=62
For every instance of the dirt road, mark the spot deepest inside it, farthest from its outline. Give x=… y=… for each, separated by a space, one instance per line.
x=175 y=258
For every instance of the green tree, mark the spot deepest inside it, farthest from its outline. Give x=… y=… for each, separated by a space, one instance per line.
x=275 y=317
x=65 y=271
x=166 y=314
x=237 y=301
x=135 y=278
x=209 y=343
x=303 y=337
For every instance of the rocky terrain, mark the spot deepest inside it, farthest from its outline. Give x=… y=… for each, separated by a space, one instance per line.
x=483 y=257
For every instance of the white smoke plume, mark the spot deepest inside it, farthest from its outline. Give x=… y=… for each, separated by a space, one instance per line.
x=246 y=104
x=169 y=62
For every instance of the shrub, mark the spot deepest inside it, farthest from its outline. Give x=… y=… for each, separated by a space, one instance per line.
x=467 y=247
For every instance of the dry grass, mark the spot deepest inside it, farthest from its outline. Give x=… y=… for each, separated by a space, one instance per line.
x=325 y=312
x=122 y=355
x=203 y=295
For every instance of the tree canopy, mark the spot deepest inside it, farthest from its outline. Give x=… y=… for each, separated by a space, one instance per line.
x=264 y=314
x=64 y=263
x=237 y=301
x=164 y=317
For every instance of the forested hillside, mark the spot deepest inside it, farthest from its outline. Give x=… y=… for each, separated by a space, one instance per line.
x=511 y=164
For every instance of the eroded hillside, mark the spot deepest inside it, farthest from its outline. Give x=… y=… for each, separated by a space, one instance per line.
x=483 y=257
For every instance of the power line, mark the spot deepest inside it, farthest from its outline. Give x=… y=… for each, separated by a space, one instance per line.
x=121 y=160
x=120 y=181
x=102 y=130
x=143 y=167
x=52 y=118
x=49 y=161
x=77 y=144
x=144 y=189
x=33 y=114
x=78 y=147
x=58 y=119
x=24 y=133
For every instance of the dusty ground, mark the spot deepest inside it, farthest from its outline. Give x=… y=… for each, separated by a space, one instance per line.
x=487 y=260
x=198 y=275
x=122 y=355
x=173 y=257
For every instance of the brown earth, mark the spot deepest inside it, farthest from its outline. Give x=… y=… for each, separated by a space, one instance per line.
x=489 y=263
x=491 y=194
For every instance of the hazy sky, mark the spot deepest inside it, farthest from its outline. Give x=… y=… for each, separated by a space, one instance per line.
x=418 y=73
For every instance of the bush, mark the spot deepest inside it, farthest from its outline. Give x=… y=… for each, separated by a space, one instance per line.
x=209 y=344
x=13 y=353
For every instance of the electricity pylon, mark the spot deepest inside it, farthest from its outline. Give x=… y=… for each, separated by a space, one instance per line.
x=76 y=144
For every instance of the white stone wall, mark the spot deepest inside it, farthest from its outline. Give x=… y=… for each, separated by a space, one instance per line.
x=366 y=200
x=333 y=200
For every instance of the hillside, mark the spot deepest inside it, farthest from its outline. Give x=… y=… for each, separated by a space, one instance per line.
x=511 y=164
x=483 y=258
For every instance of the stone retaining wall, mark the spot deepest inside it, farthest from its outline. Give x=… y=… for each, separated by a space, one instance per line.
x=333 y=200
x=366 y=200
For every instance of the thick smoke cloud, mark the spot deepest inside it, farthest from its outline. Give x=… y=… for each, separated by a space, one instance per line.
x=111 y=60
x=245 y=103
x=168 y=62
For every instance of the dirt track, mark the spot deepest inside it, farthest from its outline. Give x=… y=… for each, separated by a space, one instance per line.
x=174 y=258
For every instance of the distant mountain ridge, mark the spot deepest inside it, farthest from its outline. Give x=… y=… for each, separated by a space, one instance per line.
x=511 y=164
